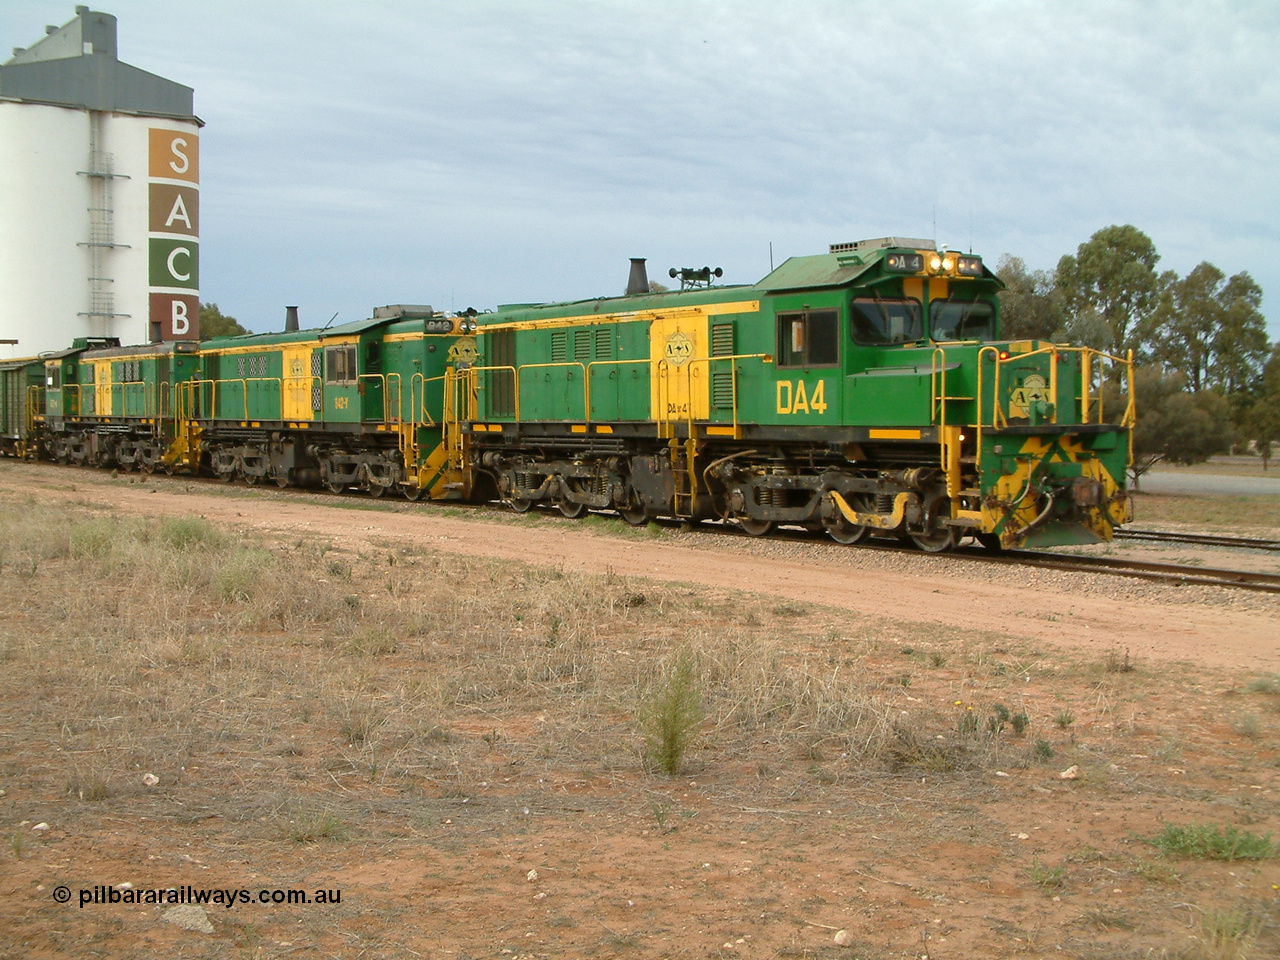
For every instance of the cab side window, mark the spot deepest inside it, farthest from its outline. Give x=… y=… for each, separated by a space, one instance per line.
x=340 y=364
x=809 y=338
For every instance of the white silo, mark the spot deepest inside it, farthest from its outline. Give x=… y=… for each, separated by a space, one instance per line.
x=99 y=195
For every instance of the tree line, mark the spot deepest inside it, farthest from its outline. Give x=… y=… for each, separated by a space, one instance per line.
x=1207 y=379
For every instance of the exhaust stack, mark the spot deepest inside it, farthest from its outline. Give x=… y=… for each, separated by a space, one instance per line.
x=290 y=319
x=638 y=282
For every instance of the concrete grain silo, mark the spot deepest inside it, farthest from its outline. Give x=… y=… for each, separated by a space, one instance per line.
x=99 y=195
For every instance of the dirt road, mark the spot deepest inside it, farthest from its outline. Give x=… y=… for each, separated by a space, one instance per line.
x=1203 y=625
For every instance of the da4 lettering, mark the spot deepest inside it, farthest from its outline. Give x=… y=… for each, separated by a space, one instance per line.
x=796 y=396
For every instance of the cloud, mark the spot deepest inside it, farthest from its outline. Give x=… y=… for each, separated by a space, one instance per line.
x=496 y=151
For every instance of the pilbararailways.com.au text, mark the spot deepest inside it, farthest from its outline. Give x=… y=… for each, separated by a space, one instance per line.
x=103 y=894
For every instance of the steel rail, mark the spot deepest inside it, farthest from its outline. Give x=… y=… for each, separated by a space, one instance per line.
x=1199 y=539
x=1174 y=573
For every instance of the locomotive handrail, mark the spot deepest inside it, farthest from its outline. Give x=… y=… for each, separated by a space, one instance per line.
x=605 y=363
x=78 y=389
x=665 y=366
x=35 y=394
x=427 y=420
x=473 y=387
x=995 y=394
x=586 y=386
x=399 y=396
x=1088 y=353
x=386 y=388
x=148 y=406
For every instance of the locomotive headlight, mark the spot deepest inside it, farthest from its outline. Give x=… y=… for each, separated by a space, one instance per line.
x=935 y=263
x=947 y=264
x=969 y=266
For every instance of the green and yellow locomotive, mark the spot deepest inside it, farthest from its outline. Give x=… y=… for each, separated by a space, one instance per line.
x=864 y=391
x=361 y=405
x=861 y=391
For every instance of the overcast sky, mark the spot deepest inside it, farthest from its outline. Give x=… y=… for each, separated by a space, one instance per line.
x=476 y=153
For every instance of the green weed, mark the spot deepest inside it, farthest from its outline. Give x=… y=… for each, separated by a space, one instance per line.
x=1049 y=879
x=672 y=716
x=1205 y=841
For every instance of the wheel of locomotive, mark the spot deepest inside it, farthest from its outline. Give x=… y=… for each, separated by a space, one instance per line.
x=251 y=478
x=636 y=516
x=933 y=541
x=571 y=509
x=412 y=491
x=520 y=504
x=335 y=486
x=281 y=478
x=991 y=541
x=376 y=490
x=841 y=530
x=756 y=528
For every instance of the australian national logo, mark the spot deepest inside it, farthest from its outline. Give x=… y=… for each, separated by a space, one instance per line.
x=1031 y=390
x=678 y=349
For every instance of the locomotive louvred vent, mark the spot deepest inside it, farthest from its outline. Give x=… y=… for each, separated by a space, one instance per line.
x=559 y=346
x=604 y=343
x=722 y=373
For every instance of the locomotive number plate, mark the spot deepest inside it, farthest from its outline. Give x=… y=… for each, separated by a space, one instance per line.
x=798 y=397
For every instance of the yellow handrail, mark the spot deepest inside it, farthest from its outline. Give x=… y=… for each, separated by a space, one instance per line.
x=604 y=363
x=473 y=385
x=586 y=387
x=665 y=366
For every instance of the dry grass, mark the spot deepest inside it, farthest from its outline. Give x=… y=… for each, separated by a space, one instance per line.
x=302 y=695
x=1209 y=513
x=173 y=643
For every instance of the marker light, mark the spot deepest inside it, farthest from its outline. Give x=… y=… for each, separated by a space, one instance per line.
x=1004 y=354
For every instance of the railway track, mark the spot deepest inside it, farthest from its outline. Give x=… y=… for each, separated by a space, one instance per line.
x=1170 y=573
x=1200 y=539
x=1173 y=573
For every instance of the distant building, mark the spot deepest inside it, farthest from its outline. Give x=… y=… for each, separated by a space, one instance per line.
x=99 y=195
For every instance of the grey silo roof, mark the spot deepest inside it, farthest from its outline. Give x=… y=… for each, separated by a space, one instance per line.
x=76 y=66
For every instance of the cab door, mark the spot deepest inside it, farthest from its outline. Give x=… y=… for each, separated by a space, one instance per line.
x=678 y=348
x=296 y=381
x=372 y=387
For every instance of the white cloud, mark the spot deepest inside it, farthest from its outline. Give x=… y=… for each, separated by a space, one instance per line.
x=361 y=153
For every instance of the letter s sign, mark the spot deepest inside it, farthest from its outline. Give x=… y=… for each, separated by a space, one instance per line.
x=174 y=155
